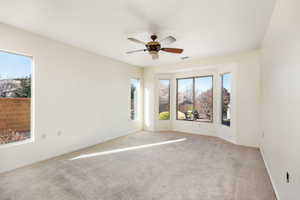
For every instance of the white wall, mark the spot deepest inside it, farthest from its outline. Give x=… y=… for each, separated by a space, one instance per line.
x=83 y=95
x=246 y=127
x=281 y=97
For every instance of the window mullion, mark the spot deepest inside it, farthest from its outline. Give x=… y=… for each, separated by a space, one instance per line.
x=193 y=98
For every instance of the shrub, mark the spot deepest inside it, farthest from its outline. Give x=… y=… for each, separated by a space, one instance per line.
x=164 y=115
x=181 y=115
x=8 y=135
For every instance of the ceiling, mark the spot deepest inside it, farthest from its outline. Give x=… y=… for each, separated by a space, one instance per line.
x=202 y=27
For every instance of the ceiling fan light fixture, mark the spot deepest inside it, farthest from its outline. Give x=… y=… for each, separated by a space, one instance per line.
x=154 y=54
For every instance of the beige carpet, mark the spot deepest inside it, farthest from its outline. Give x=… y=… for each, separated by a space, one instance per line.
x=193 y=168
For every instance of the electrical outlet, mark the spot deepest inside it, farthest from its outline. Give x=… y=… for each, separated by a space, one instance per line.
x=288 y=177
x=59 y=133
x=44 y=136
x=263 y=134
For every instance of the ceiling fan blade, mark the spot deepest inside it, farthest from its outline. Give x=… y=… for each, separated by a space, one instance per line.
x=172 y=50
x=140 y=50
x=168 y=40
x=155 y=56
x=136 y=41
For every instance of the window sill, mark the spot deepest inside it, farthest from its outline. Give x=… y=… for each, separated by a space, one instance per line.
x=134 y=120
x=27 y=141
x=209 y=122
x=225 y=125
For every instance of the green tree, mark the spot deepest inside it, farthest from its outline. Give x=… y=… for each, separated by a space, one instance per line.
x=24 y=90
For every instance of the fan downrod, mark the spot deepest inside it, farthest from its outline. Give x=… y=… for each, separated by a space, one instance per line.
x=153 y=37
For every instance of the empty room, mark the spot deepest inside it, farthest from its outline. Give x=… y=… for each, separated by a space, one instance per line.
x=149 y=100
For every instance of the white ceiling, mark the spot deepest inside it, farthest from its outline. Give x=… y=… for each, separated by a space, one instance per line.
x=202 y=27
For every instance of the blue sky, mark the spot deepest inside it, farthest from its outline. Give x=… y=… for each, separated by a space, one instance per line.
x=14 y=66
x=163 y=84
x=185 y=84
x=202 y=84
x=226 y=81
x=135 y=82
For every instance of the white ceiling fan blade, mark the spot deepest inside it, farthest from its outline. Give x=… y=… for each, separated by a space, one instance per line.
x=140 y=50
x=168 y=40
x=136 y=41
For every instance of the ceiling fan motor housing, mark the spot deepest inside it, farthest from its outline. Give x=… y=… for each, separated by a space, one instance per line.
x=153 y=47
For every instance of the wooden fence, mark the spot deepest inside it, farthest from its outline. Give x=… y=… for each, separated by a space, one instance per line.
x=15 y=118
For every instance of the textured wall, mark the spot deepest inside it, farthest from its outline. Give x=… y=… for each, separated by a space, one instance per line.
x=281 y=97
x=79 y=98
x=245 y=66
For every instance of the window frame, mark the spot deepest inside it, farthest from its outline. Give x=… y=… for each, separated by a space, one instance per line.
x=194 y=77
x=222 y=97
x=169 y=99
x=31 y=139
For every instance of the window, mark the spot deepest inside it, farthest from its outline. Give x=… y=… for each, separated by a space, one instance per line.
x=195 y=99
x=185 y=99
x=204 y=99
x=164 y=99
x=134 y=89
x=226 y=97
x=15 y=97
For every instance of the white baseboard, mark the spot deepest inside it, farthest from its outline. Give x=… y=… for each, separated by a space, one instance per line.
x=227 y=139
x=194 y=132
x=269 y=172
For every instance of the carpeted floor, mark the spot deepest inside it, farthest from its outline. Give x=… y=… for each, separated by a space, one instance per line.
x=187 y=167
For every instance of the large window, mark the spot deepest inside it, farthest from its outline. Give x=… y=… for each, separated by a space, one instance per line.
x=185 y=99
x=195 y=99
x=226 y=97
x=15 y=97
x=134 y=89
x=203 y=110
x=164 y=99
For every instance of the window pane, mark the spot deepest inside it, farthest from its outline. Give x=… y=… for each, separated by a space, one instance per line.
x=15 y=97
x=134 y=87
x=164 y=99
x=203 y=99
x=226 y=96
x=185 y=99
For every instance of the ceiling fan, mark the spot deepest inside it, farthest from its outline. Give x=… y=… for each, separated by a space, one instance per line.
x=153 y=47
